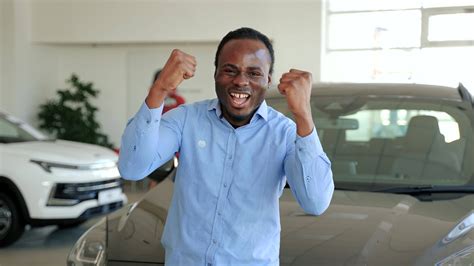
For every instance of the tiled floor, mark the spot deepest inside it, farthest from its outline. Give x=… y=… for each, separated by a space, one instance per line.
x=49 y=246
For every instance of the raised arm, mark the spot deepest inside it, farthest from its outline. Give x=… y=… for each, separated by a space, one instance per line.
x=147 y=141
x=307 y=167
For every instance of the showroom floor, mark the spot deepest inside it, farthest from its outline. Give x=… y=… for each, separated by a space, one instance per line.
x=49 y=246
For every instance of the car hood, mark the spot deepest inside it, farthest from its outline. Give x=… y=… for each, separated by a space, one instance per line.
x=62 y=151
x=359 y=228
x=364 y=228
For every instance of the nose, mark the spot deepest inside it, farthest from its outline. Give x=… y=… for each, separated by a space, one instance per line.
x=241 y=80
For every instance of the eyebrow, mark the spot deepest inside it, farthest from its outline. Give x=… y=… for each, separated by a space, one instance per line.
x=255 y=68
x=230 y=65
x=248 y=68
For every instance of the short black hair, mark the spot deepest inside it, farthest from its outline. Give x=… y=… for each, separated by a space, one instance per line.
x=246 y=33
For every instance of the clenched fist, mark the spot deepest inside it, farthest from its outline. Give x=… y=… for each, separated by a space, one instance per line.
x=296 y=86
x=180 y=66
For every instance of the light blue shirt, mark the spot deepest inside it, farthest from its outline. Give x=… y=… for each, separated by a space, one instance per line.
x=224 y=209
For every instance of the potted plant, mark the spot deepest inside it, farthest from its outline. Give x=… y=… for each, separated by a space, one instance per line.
x=72 y=116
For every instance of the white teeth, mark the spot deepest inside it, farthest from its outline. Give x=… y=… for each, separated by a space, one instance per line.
x=239 y=95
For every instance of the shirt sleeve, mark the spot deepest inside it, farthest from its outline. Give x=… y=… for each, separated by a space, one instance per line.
x=149 y=140
x=308 y=171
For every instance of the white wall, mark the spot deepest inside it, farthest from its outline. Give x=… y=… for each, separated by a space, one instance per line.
x=142 y=61
x=5 y=35
x=295 y=26
x=26 y=67
x=118 y=45
x=2 y=39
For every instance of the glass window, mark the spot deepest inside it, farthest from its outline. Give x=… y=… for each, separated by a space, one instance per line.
x=448 y=27
x=351 y=5
x=447 y=66
x=375 y=142
x=393 y=124
x=377 y=124
x=374 y=30
x=368 y=66
x=7 y=129
x=421 y=41
x=447 y=3
x=11 y=132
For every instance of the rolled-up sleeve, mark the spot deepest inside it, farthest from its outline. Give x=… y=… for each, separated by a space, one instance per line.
x=308 y=171
x=148 y=141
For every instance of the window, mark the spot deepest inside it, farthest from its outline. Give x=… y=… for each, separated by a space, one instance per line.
x=441 y=27
x=408 y=41
x=378 y=142
x=392 y=124
x=11 y=132
x=394 y=141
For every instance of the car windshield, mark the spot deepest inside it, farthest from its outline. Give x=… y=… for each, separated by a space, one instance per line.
x=13 y=130
x=378 y=143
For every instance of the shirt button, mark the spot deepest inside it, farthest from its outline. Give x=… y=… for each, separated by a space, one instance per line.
x=148 y=121
x=308 y=178
x=225 y=184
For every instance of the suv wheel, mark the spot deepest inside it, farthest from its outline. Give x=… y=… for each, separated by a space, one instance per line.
x=11 y=224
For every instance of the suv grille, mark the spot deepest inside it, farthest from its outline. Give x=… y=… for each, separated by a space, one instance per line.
x=74 y=193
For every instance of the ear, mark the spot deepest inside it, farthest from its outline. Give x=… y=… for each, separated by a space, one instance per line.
x=269 y=79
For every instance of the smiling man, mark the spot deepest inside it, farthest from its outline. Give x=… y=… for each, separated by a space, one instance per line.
x=236 y=154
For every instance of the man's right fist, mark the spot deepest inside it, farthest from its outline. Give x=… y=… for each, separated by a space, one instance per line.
x=180 y=66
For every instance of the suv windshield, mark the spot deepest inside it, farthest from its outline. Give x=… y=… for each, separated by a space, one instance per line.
x=13 y=130
x=378 y=143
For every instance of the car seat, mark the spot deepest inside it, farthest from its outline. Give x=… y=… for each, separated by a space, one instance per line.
x=424 y=154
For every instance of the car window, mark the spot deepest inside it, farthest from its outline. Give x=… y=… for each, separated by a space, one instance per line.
x=13 y=132
x=393 y=124
x=375 y=143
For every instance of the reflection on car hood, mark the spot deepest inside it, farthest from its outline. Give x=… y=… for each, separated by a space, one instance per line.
x=62 y=151
x=135 y=234
x=359 y=228
x=363 y=228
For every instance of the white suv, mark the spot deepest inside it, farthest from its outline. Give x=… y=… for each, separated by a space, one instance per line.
x=47 y=182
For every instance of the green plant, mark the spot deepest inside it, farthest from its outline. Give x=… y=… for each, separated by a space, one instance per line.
x=72 y=116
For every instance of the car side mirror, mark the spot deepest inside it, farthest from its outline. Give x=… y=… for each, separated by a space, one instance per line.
x=164 y=170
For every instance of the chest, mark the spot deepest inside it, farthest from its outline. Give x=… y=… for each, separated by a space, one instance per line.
x=215 y=144
x=248 y=157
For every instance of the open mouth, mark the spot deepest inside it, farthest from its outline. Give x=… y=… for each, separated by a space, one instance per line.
x=238 y=99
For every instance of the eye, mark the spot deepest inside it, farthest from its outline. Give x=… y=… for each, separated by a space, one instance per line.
x=229 y=71
x=255 y=74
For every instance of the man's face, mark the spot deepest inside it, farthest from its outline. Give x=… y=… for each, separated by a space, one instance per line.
x=241 y=78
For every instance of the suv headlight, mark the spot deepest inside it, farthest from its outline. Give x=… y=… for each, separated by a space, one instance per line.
x=48 y=165
x=90 y=249
x=95 y=166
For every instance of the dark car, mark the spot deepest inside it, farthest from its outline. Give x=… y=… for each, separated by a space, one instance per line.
x=402 y=158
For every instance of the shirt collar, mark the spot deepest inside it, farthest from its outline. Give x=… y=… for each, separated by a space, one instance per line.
x=262 y=110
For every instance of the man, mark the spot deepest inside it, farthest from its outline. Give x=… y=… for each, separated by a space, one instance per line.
x=235 y=155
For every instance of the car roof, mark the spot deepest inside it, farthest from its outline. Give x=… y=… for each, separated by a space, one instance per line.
x=401 y=90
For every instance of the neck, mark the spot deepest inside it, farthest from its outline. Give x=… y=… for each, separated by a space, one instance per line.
x=237 y=121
